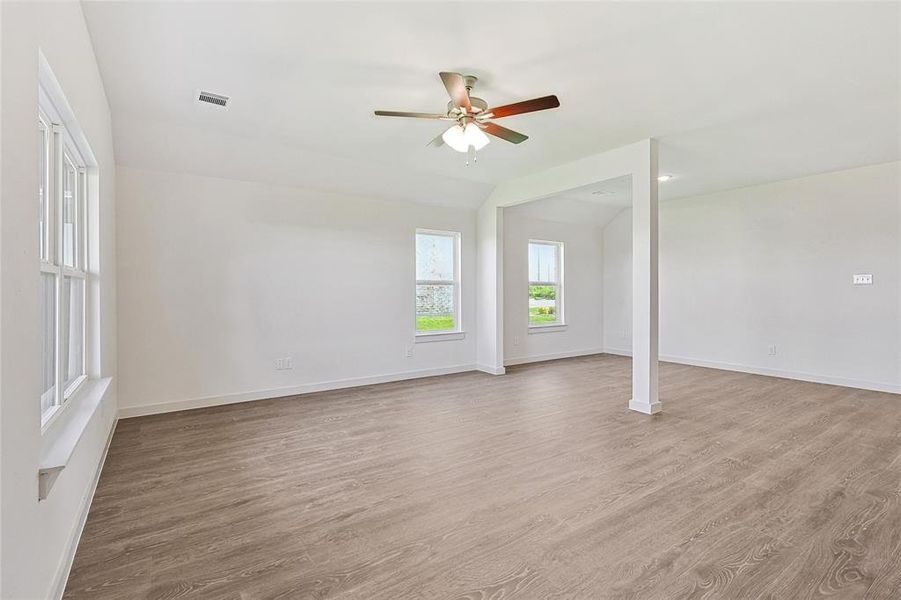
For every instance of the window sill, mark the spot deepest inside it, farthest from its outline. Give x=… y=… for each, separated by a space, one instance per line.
x=444 y=336
x=62 y=435
x=546 y=328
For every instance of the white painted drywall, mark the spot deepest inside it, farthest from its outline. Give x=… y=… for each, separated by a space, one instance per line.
x=490 y=289
x=754 y=91
x=766 y=265
x=219 y=278
x=638 y=161
x=582 y=289
x=36 y=538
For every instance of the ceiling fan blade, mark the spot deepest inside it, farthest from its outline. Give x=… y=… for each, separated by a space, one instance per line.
x=413 y=115
x=456 y=89
x=526 y=106
x=503 y=133
x=437 y=142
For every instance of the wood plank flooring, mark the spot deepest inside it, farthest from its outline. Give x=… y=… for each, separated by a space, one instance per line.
x=538 y=484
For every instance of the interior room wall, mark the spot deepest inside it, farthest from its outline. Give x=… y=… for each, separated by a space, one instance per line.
x=218 y=279
x=37 y=538
x=583 y=290
x=759 y=279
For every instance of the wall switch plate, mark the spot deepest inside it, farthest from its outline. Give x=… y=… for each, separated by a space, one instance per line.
x=408 y=351
x=516 y=340
x=862 y=279
x=284 y=364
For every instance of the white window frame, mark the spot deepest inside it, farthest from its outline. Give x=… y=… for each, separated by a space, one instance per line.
x=458 y=313
x=62 y=151
x=559 y=311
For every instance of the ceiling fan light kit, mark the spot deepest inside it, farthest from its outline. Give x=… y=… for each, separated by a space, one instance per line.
x=472 y=116
x=461 y=138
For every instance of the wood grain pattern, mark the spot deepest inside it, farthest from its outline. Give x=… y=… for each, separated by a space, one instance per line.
x=537 y=484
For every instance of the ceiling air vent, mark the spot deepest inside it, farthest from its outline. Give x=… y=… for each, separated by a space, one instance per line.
x=211 y=98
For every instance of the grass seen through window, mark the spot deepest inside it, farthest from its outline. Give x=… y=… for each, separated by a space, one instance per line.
x=542 y=304
x=434 y=322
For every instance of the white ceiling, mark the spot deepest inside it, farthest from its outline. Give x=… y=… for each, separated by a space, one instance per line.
x=594 y=204
x=737 y=93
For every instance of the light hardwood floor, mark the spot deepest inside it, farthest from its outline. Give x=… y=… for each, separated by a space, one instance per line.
x=538 y=484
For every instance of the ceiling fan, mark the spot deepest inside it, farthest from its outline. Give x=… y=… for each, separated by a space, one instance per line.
x=472 y=117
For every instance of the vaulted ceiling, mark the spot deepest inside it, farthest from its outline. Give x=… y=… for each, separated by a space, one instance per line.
x=737 y=93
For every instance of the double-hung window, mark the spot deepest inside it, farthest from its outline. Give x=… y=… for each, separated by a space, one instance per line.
x=62 y=231
x=545 y=283
x=437 y=281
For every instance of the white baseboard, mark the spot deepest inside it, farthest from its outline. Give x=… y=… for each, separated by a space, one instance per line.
x=647 y=408
x=876 y=386
x=618 y=351
x=62 y=575
x=176 y=405
x=491 y=370
x=521 y=360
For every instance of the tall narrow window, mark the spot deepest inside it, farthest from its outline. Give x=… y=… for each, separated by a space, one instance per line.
x=61 y=198
x=437 y=281
x=545 y=283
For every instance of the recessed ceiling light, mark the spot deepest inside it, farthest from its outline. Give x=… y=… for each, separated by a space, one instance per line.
x=664 y=178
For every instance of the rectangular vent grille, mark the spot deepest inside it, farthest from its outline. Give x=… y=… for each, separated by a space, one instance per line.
x=212 y=98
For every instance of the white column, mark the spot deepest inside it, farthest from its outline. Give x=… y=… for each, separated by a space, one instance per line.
x=490 y=289
x=644 y=284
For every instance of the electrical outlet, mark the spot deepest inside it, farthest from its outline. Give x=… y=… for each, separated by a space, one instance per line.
x=516 y=340
x=408 y=351
x=284 y=364
x=771 y=350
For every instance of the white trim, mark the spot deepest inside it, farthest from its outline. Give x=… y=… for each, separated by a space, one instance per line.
x=559 y=300
x=127 y=412
x=457 y=282
x=549 y=328
x=59 y=441
x=67 y=151
x=53 y=92
x=618 y=351
x=71 y=388
x=522 y=360
x=491 y=370
x=53 y=411
x=439 y=336
x=65 y=566
x=862 y=384
x=645 y=408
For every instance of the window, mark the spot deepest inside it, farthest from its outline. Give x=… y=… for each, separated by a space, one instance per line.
x=437 y=281
x=61 y=198
x=545 y=283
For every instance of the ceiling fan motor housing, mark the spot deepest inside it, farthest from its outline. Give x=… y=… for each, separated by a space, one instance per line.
x=477 y=103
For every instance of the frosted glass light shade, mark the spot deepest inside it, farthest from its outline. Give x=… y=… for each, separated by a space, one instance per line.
x=475 y=137
x=460 y=139
x=454 y=137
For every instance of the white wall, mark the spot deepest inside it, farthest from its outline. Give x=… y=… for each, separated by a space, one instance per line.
x=36 y=538
x=583 y=295
x=771 y=265
x=219 y=278
x=617 y=283
x=638 y=162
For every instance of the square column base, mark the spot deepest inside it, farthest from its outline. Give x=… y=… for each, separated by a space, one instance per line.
x=644 y=407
